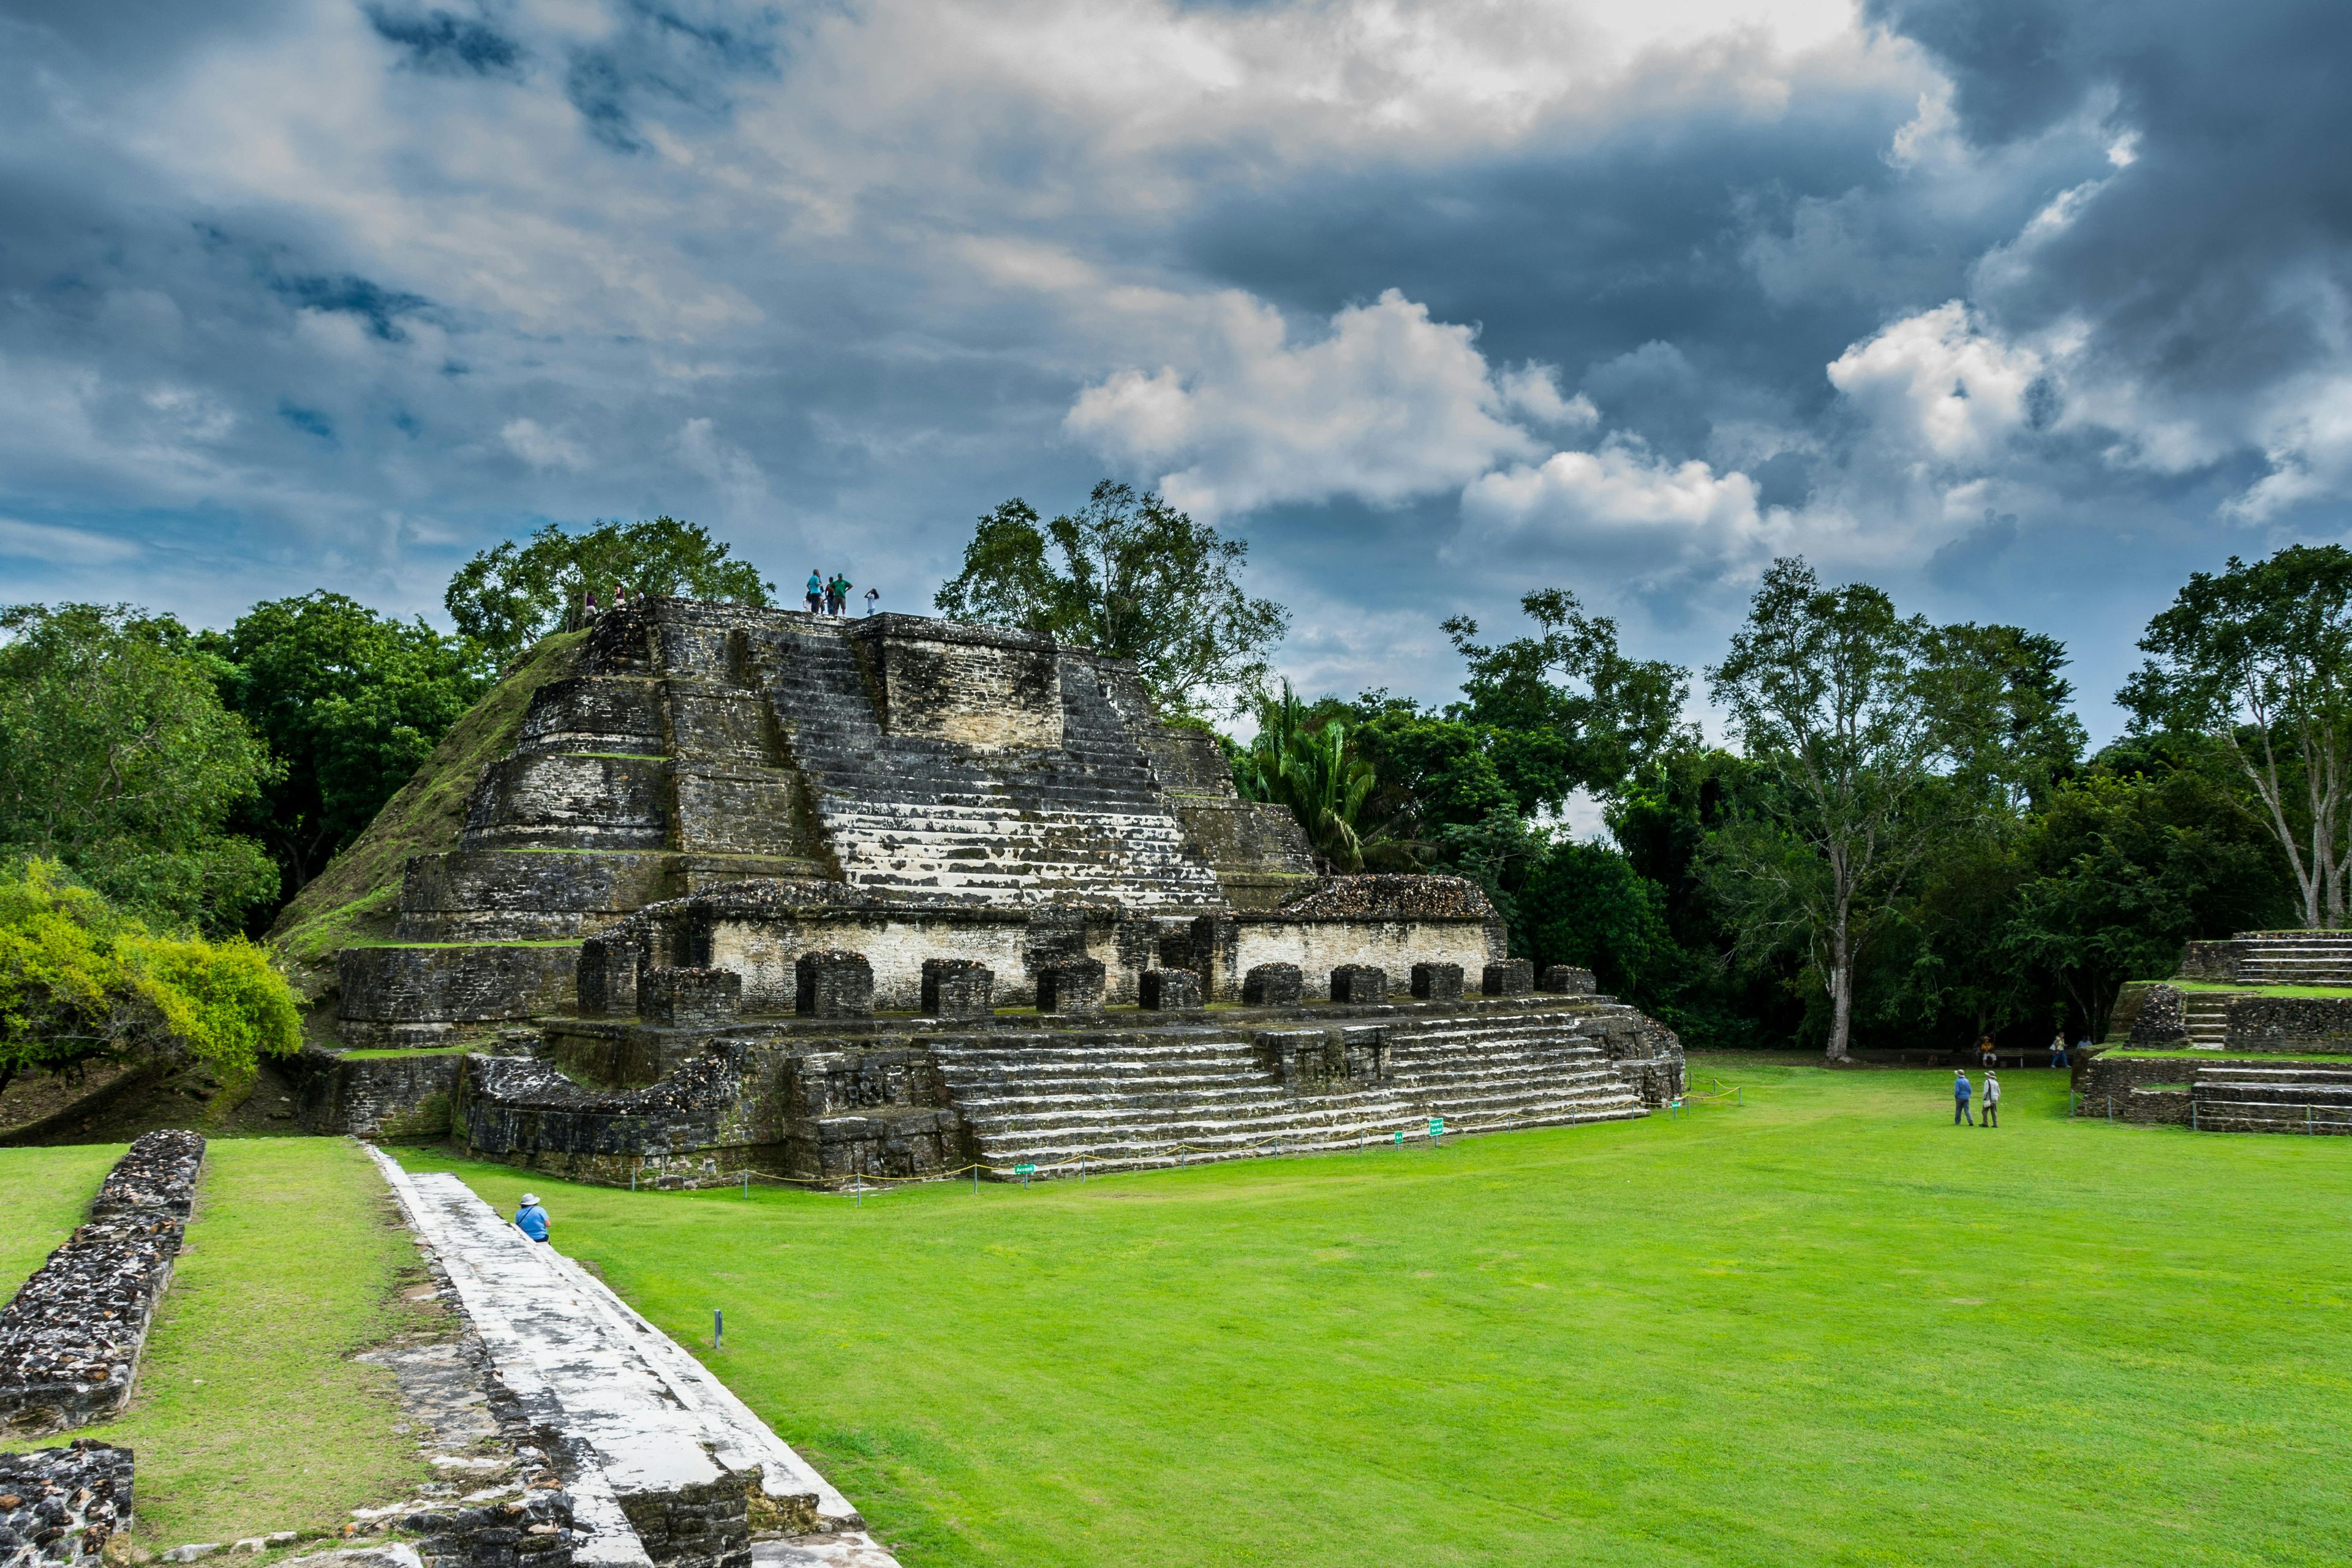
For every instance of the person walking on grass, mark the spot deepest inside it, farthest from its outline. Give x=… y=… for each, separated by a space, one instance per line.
x=1960 y=1092
x=530 y=1219
x=1991 y=1102
x=2058 y=1049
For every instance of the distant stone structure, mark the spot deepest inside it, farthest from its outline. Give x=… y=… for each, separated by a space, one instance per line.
x=821 y=896
x=2241 y=1035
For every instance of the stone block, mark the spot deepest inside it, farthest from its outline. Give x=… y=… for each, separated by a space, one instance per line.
x=957 y=988
x=1512 y=977
x=1273 y=986
x=1568 y=980
x=1074 y=987
x=607 y=974
x=690 y=998
x=832 y=985
x=60 y=1508
x=1170 y=990
x=1437 y=983
x=1360 y=982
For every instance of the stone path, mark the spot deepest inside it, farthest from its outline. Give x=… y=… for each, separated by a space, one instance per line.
x=656 y=1437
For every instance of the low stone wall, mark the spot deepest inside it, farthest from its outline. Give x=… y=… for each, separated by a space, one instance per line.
x=718 y=1114
x=69 y=1341
x=379 y=1098
x=400 y=997
x=59 y=1506
x=2141 y=1089
x=2299 y=1024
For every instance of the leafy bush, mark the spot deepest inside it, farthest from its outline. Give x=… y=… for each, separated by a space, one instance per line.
x=82 y=981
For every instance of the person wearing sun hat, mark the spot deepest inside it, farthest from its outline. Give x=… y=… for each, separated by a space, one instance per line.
x=530 y=1219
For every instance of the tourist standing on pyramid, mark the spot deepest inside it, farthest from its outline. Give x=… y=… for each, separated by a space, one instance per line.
x=815 y=590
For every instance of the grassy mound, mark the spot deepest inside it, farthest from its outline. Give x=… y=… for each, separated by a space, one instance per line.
x=1821 y=1327
x=248 y=1415
x=355 y=900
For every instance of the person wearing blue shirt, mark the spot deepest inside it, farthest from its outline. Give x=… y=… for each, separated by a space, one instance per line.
x=1960 y=1092
x=530 y=1219
x=816 y=590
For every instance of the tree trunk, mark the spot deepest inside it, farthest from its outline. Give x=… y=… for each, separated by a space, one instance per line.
x=1841 y=991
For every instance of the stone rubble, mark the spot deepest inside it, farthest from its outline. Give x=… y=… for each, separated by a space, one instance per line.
x=70 y=1340
x=59 y=1506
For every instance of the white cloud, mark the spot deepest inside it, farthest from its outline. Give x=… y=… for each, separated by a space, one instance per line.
x=61 y=546
x=1623 y=501
x=542 y=447
x=741 y=484
x=1939 y=384
x=1386 y=406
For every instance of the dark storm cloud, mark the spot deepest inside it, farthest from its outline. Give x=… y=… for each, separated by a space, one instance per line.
x=2205 y=261
x=439 y=40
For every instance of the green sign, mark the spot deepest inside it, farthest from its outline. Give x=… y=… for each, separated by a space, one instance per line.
x=1024 y=1170
x=1399 y=1137
x=1437 y=1127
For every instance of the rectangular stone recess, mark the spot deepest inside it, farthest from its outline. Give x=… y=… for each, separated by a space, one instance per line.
x=690 y=998
x=957 y=988
x=834 y=984
x=1437 y=983
x=607 y=973
x=1567 y=980
x=976 y=685
x=1171 y=990
x=1273 y=986
x=1359 y=984
x=1074 y=987
x=1512 y=977
x=1225 y=948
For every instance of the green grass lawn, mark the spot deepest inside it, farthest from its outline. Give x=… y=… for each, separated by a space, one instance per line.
x=2259 y=990
x=1821 y=1327
x=248 y=1415
x=43 y=1193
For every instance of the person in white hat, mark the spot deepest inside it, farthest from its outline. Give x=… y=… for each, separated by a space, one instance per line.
x=530 y=1219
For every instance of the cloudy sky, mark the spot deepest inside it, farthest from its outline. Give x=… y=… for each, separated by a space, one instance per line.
x=2023 y=310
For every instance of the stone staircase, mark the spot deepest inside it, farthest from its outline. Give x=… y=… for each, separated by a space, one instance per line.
x=2207 y=1016
x=910 y=811
x=2293 y=1097
x=1176 y=1095
x=2317 y=958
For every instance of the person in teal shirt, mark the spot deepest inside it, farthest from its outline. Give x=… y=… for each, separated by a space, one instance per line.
x=530 y=1219
x=816 y=590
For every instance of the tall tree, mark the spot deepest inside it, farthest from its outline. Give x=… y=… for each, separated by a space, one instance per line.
x=1568 y=709
x=118 y=758
x=1825 y=687
x=2260 y=659
x=1130 y=576
x=507 y=598
x=351 y=702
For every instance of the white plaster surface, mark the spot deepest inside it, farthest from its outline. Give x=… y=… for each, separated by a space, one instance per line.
x=651 y=1415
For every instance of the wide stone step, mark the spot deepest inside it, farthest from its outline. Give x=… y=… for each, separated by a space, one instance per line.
x=1068 y=1159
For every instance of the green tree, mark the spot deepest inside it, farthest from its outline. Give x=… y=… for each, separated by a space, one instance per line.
x=1567 y=709
x=1823 y=686
x=351 y=702
x=118 y=758
x=1129 y=577
x=80 y=980
x=1433 y=773
x=507 y=598
x=2260 y=660
x=1296 y=761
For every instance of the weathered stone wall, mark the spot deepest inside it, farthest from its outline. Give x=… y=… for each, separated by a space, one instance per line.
x=2211 y=961
x=390 y=1099
x=722 y=1112
x=422 y=996
x=1225 y=949
x=515 y=895
x=2300 y=1023
x=2162 y=1019
x=60 y=1507
x=69 y=1341
x=2145 y=1089
x=986 y=687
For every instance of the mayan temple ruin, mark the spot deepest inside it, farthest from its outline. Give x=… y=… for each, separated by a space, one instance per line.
x=733 y=889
